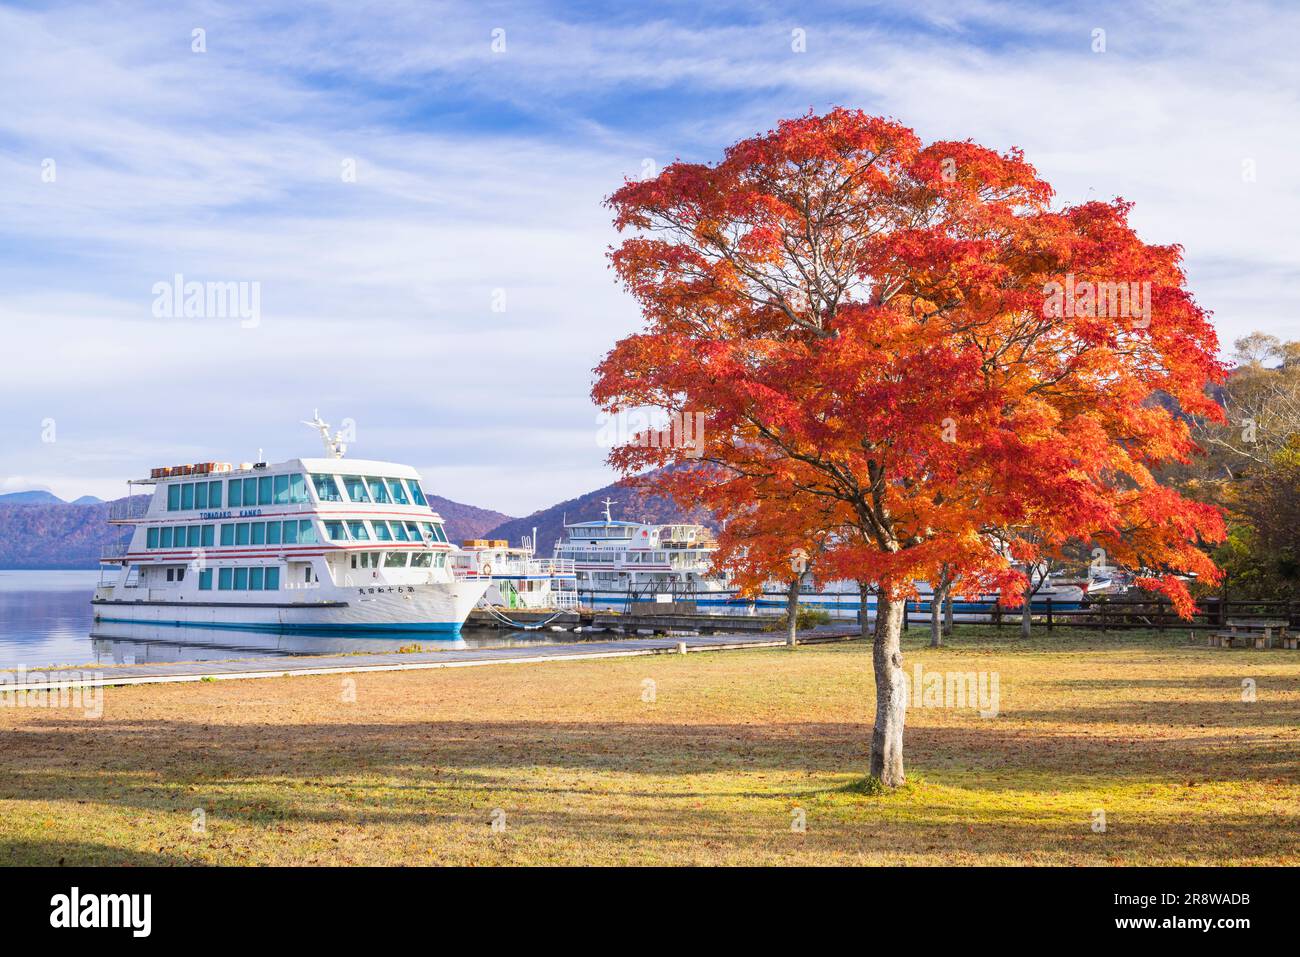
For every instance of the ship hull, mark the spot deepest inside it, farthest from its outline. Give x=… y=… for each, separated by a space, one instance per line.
x=439 y=608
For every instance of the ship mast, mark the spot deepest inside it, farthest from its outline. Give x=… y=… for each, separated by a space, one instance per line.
x=334 y=447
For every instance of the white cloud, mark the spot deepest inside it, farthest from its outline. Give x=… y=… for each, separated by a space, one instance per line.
x=478 y=173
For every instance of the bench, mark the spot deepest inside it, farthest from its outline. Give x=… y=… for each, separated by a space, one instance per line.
x=1254 y=633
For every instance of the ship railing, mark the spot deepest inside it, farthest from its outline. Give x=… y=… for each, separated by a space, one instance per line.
x=565 y=599
x=114 y=551
x=129 y=509
x=555 y=566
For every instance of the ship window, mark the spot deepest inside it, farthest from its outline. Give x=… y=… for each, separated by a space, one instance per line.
x=165 y=537
x=272 y=579
x=306 y=532
x=358 y=531
x=241 y=579
x=417 y=493
x=289 y=534
x=173 y=497
x=193 y=536
x=413 y=531
x=255 y=578
x=395 y=560
x=236 y=497
x=214 y=494
x=205 y=580
x=421 y=559
x=208 y=532
x=264 y=493
x=356 y=488
x=280 y=486
x=442 y=559
x=225 y=579
x=297 y=488
x=327 y=490
x=227 y=533
x=201 y=495
x=180 y=574
x=151 y=538
x=250 y=491
x=187 y=496
x=258 y=530
x=382 y=534
x=398 y=491
x=399 y=532
x=241 y=533
x=378 y=491
x=273 y=532
x=334 y=532
x=169 y=574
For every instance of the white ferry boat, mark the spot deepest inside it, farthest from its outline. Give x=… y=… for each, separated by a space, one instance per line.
x=515 y=577
x=619 y=563
x=307 y=545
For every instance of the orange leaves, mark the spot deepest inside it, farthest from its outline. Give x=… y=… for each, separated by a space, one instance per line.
x=904 y=356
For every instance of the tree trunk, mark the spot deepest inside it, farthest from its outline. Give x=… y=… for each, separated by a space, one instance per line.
x=937 y=597
x=1027 y=615
x=947 y=611
x=891 y=693
x=792 y=614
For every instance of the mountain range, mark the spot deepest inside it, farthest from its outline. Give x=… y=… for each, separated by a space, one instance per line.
x=42 y=497
x=41 y=530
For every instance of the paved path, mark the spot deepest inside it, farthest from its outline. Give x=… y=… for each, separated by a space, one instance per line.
x=278 y=666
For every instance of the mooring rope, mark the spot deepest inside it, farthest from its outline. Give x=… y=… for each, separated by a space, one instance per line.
x=520 y=625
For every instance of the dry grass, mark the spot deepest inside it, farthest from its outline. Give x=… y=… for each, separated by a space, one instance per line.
x=1151 y=730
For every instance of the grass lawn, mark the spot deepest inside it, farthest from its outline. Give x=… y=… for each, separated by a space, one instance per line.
x=1151 y=730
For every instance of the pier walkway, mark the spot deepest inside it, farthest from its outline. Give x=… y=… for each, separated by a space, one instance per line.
x=281 y=666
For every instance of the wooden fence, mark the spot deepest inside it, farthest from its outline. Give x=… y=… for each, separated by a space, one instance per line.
x=1118 y=614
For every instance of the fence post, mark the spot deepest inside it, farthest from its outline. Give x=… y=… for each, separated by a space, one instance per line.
x=997 y=612
x=1102 y=607
x=1049 y=612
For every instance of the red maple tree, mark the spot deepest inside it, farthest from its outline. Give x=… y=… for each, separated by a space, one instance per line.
x=910 y=344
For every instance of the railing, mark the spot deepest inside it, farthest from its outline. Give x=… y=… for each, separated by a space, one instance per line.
x=1120 y=614
x=524 y=567
x=114 y=551
x=564 y=599
x=129 y=509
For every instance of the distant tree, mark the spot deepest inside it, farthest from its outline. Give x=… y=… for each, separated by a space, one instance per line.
x=1261 y=402
x=881 y=326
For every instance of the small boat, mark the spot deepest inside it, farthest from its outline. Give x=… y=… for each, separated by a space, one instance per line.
x=516 y=578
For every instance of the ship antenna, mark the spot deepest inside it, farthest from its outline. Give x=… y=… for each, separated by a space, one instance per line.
x=334 y=447
x=608 y=503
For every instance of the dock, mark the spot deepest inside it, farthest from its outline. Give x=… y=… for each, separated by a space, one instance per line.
x=647 y=621
x=284 y=666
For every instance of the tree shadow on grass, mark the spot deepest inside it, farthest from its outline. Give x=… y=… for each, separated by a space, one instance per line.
x=158 y=764
x=58 y=852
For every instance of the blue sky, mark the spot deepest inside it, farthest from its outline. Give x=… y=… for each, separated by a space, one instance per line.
x=478 y=181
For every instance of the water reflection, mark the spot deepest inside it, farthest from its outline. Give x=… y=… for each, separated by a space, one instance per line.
x=46 y=620
x=125 y=643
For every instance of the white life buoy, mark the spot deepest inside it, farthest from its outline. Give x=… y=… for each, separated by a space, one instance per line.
x=486 y=569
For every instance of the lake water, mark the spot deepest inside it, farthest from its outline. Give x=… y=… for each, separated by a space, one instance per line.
x=46 y=620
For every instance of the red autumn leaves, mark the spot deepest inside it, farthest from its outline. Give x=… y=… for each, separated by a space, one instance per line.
x=861 y=318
